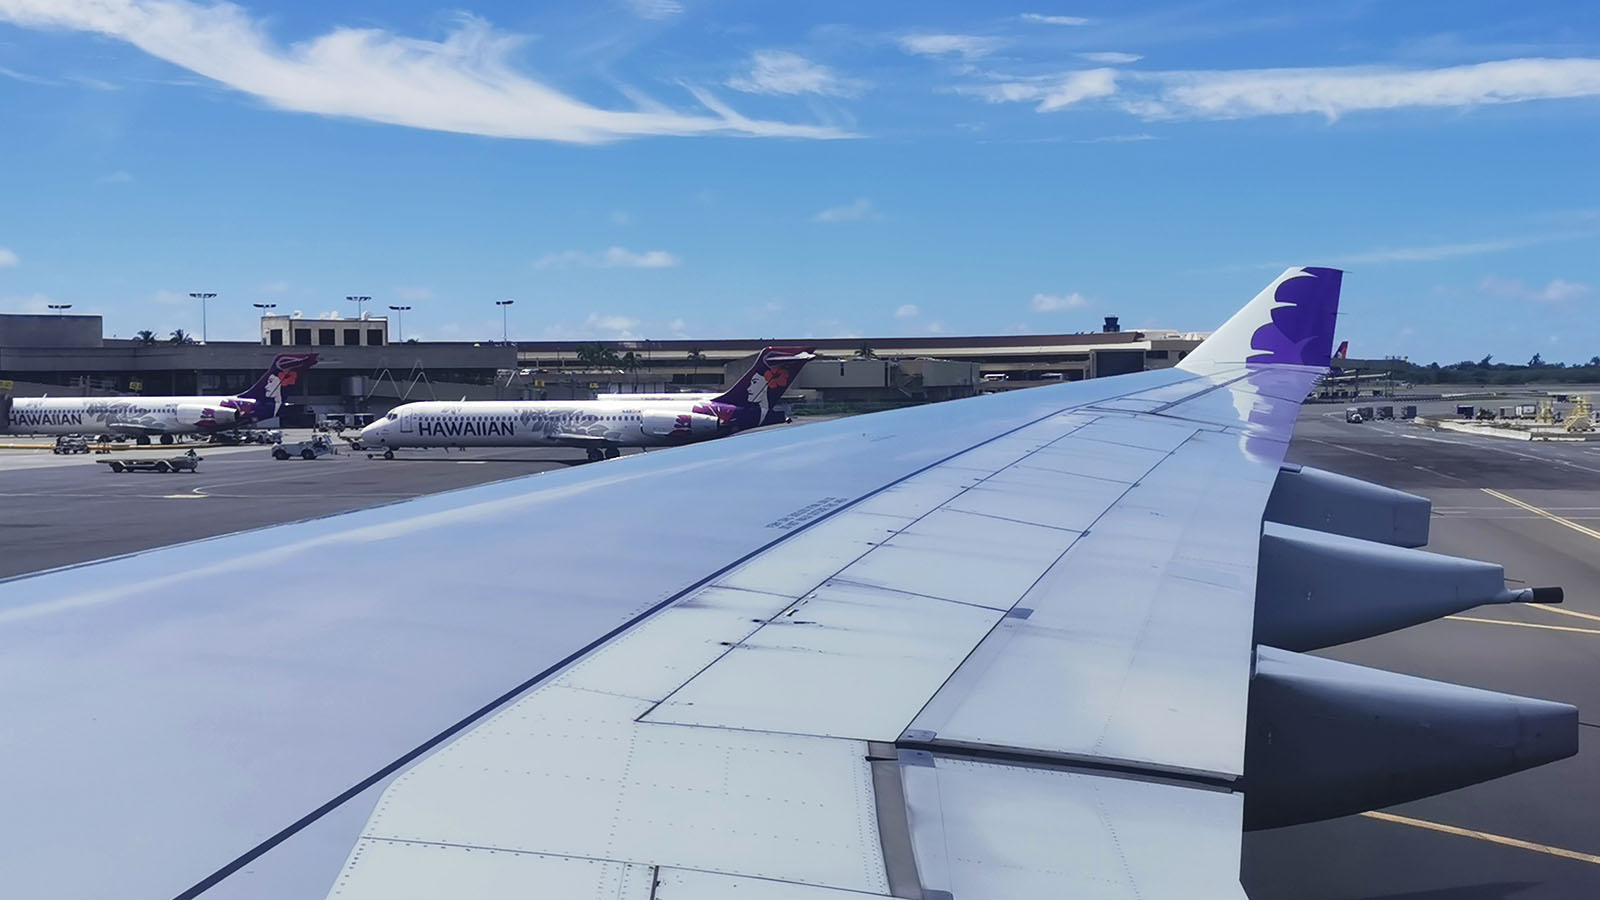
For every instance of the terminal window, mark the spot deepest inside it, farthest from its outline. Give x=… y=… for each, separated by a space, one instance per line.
x=302 y=337
x=275 y=337
x=352 y=337
x=375 y=337
x=325 y=336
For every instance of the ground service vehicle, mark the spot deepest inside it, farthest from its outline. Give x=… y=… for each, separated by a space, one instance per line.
x=186 y=462
x=317 y=446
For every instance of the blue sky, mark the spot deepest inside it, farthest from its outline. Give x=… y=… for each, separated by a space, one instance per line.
x=671 y=168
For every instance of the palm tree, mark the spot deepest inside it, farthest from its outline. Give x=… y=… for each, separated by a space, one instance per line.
x=696 y=358
x=597 y=355
x=866 y=352
x=179 y=336
x=631 y=362
x=146 y=337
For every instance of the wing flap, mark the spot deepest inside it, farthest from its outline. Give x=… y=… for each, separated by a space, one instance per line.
x=982 y=829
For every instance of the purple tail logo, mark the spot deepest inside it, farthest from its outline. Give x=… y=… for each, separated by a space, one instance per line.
x=774 y=370
x=1300 y=332
x=264 y=399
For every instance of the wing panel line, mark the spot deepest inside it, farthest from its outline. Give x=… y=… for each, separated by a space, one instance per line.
x=477 y=715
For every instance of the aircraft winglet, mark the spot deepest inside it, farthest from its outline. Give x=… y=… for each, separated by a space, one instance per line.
x=1289 y=323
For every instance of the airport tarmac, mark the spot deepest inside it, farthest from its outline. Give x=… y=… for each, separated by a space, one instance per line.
x=61 y=510
x=1534 y=508
x=1532 y=836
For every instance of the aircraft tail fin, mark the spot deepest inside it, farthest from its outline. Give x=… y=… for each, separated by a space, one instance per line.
x=774 y=370
x=266 y=395
x=1343 y=351
x=1289 y=323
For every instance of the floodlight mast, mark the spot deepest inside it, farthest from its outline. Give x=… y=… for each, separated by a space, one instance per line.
x=203 y=296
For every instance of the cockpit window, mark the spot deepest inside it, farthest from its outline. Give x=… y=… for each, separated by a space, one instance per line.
x=392 y=416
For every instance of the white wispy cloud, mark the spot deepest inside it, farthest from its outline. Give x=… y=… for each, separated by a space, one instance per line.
x=1330 y=92
x=1437 y=252
x=783 y=72
x=1058 y=302
x=9 y=258
x=850 y=212
x=1042 y=19
x=26 y=78
x=621 y=217
x=609 y=258
x=611 y=322
x=966 y=46
x=98 y=84
x=275 y=287
x=1118 y=139
x=1334 y=92
x=29 y=304
x=654 y=9
x=464 y=83
x=1050 y=93
x=907 y=311
x=1558 y=290
x=1110 y=57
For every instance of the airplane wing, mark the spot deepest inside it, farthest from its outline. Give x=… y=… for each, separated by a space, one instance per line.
x=134 y=429
x=991 y=648
x=583 y=440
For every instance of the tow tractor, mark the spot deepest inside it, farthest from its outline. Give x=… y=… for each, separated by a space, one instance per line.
x=184 y=462
x=318 y=445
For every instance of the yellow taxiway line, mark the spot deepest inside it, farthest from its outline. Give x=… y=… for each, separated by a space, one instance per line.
x=1543 y=513
x=1485 y=836
x=1523 y=624
x=1565 y=612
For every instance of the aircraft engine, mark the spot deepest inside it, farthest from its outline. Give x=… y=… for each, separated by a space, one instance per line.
x=205 y=416
x=671 y=422
x=1328 y=738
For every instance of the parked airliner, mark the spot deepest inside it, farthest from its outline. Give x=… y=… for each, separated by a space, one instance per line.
x=161 y=417
x=602 y=427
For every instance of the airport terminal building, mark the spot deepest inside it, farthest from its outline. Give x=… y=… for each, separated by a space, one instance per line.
x=361 y=370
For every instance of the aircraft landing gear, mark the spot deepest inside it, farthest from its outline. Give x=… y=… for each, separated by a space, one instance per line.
x=613 y=452
x=388 y=454
x=142 y=440
x=165 y=439
x=595 y=455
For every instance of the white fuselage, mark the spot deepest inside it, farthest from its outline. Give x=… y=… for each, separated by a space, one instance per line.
x=119 y=415
x=512 y=423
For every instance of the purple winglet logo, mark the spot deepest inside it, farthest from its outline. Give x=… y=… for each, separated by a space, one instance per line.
x=1300 y=332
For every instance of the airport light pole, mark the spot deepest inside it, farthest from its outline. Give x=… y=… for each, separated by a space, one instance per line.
x=265 y=309
x=358 y=300
x=402 y=317
x=59 y=308
x=504 y=305
x=203 y=296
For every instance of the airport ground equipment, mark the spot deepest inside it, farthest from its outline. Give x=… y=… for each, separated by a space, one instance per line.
x=1581 y=418
x=70 y=443
x=183 y=462
x=1006 y=646
x=319 y=445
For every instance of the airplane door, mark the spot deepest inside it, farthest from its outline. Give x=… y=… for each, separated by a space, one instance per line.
x=405 y=422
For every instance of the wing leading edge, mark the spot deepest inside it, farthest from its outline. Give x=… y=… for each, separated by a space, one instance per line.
x=994 y=648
